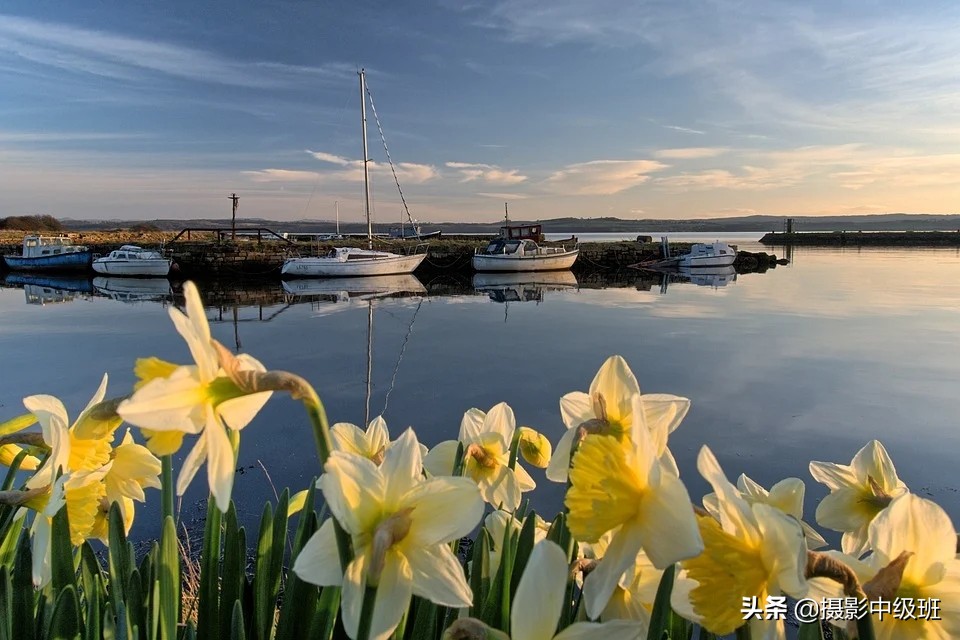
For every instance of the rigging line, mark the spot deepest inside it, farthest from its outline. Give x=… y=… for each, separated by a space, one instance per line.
x=403 y=347
x=393 y=169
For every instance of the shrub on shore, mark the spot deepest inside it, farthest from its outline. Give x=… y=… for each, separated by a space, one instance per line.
x=31 y=223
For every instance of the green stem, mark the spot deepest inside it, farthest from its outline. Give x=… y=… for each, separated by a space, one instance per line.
x=167 y=489
x=366 y=612
x=743 y=631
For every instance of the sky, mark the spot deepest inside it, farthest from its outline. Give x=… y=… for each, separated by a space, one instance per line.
x=642 y=109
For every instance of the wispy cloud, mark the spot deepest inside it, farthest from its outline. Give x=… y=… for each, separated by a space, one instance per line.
x=690 y=153
x=489 y=173
x=602 y=177
x=106 y=54
x=684 y=129
x=66 y=136
x=347 y=171
x=503 y=196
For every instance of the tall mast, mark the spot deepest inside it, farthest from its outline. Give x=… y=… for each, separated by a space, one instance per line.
x=366 y=173
x=337 y=205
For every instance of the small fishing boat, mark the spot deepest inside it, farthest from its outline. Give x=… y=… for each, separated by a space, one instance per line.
x=715 y=254
x=51 y=254
x=130 y=260
x=504 y=254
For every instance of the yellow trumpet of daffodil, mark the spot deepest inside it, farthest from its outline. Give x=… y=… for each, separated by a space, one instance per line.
x=486 y=439
x=9 y=452
x=400 y=525
x=858 y=493
x=752 y=550
x=613 y=486
x=922 y=531
x=786 y=495
x=195 y=399
x=608 y=409
x=371 y=444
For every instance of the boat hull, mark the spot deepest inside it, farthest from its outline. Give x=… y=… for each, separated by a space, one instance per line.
x=552 y=262
x=148 y=268
x=334 y=268
x=706 y=261
x=64 y=262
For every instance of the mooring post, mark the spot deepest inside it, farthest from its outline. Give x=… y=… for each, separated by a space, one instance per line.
x=233 y=222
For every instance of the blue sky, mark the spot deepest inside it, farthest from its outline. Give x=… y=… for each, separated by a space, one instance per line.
x=681 y=109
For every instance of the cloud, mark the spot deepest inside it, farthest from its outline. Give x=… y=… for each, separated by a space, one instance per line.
x=491 y=174
x=690 y=153
x=329 y=157
x=602 y=177
x=281 y=175
x=503 y=196
x=684 y=129
x=101 y=53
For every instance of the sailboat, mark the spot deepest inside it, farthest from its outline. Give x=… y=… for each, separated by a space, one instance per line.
x=352 y=261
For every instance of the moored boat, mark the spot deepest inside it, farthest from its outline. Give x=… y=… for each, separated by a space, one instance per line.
x=130 y=260
x=50 y=254
x=714 y=254
x=504 y=254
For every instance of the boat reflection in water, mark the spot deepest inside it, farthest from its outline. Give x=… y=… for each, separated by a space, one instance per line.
x=715 y=277
x=523 y=286
x=49 y=289
x=346 y=289
x=134 y=289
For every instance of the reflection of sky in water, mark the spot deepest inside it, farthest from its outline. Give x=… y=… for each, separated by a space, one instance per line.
x=805 y=362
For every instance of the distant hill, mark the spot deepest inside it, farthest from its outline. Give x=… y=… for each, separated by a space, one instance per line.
x=756 y=223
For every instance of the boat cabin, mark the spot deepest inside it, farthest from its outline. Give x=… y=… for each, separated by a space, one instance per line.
x=131 y=252
x=522 y=232
x=41 y=246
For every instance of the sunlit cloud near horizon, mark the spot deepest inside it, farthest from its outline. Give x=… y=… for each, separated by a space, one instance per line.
x=637 y=110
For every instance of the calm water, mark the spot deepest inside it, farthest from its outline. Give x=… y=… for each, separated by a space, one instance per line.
x=807 y=361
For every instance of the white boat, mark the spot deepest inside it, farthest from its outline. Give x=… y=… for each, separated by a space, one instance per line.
x=504 y=254
x=130 y=260
x=133 y=289
x=709 y=276
x=353 y=262
x=715 y=254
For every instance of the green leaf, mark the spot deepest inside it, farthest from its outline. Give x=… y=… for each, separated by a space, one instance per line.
x=660 y=616
x=270 y=551
x=8 y=544
x=65 y=622
x=236 y=624
x=234 y=569
x=425 y=620
x=810 y=631
x=136 y=614
x=168 y=568
x=299 y=597
x=6 y=603
x=120 y=562
x=525 y=544
x=479 y=566
x=496 y=609
x=208 y=610
x=325 y=619
x=61 y=554
x=23 y=596
x=93 y=625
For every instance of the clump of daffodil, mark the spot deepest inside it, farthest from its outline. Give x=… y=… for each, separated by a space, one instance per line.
x=626 y=489
x=534 y=447
x=609 y=409
x=786 y=495
x=538 y=603
x=400 y=525
x=371 y=444
x=752 y=550
x=916 y=536
x=858 y=493
x=486 y=440
x=195 y=399
x=497 y=523
x=633 y=597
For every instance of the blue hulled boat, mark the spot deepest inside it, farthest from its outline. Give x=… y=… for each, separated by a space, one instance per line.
x=50 y=254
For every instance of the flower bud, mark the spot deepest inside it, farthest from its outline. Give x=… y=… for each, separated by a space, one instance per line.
x=535 y=448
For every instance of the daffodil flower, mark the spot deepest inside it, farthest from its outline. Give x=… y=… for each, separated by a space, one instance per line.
x=496 y=524
x=636 y=590
x=753 y=550
x=41 y=532
x=197 y=399
x=858 y=493
x=608 y=409
x=538 y=604
x=535 y=448
x=611 y=486
x=371 y=444
x=486 y=439
x=918 y=527
x=786 y=495
x=400 y=524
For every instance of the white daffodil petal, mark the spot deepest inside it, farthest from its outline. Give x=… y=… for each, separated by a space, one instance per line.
x=354 y=490
x=167 y=404
x=735 y=515
x=613 y=630
x=440 y=460
x=842 y=510
x=402 y=464
x=393 y=596
x=767 y=629
x=559 y=468
x=200 y=348
x=680 y=598
x=833 y=476
x=378 y=437
x=538 y=600
x=50 y=414
x=98 y=396
x=524 y=481
x=319 y=561
x=444 y=509
x=874 y=461
x=191 y=465
x=349 y=438
x=620 y=555
x=501 y=489
x=787 y=495
x=664 y=411
x=576 y=408
x=784 y=550
x=237 y=413
x=471 y=425
x=220 y=464
x=354 y=583
x=438 y=576
x=500 y=419
x=918 y=525
x=669 y=533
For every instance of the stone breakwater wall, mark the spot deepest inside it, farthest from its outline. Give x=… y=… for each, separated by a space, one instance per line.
x=253 y=259
x=865 y=239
